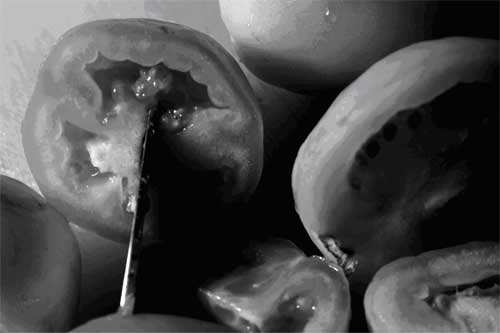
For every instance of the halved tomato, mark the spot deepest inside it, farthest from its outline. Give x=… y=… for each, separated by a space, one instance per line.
x=397 y=147
x=84 y=125
x=449 y=290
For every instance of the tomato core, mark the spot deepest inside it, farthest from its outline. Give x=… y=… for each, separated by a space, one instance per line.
x=105 y=156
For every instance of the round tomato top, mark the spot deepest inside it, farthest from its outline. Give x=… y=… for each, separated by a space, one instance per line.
x=318 y=44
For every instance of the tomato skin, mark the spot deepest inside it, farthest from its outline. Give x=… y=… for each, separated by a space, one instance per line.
x=396 y=297
x=315 y=45
x=232 y=142
x=148 y=323
x=284 y=291
x=40 y=263
x=407 y=78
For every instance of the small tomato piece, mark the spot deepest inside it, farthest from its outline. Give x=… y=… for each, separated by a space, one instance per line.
x=395 y=147
x=449 y=290
x=85 y=121
x=40 y=263
x=284 y=292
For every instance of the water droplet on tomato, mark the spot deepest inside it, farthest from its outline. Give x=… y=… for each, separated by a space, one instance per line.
x=291 y=315
x=118 y=91
x=173 y=120
x=152 y=81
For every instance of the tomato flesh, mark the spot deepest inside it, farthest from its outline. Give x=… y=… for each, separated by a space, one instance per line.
x=398 y=147
x=287 y=292
x=453 y=289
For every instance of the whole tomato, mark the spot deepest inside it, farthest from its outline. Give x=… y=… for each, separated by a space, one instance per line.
x=148 y=323
x=285 y=291
x=40 y=263
x=448 y=290
x=397 y=149
x=316 y=44
x=84 y=124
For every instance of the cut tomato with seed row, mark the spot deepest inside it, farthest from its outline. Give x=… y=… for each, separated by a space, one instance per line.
x=450 y=290
x=395 y=147
x=85 y=121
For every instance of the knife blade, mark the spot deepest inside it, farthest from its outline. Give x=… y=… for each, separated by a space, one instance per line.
x=128 y=297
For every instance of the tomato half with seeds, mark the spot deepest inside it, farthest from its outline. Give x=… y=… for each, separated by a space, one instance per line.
x=399 y=157
x=39 y=263
x=85 y=121
x=449 y=290
x=284 y=292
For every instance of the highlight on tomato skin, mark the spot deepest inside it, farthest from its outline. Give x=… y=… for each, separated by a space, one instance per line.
x=40 y=263
x=310 y=45
x=285 y=291
x=84 y=124
x=448 y=290
x=399 y=146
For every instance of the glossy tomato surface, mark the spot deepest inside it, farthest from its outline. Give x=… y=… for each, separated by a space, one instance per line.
x=310 y=45
x=318 y=44
x=448 y=290
x=397 y=147
x=83 y=129
x=40 y=263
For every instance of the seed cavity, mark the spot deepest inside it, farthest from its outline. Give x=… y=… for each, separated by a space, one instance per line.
x=372 y=148
x=414 y=120
x=389 y=131
x=355 y=182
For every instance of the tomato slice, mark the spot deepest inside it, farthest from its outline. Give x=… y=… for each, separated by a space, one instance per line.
x=85 y=121
x=450 y=290
x=284 y=292
x=395 y=147
x=40 y=263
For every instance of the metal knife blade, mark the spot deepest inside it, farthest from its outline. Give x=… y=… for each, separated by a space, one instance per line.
x=127 y=299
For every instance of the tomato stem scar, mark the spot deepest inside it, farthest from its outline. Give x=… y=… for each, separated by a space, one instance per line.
x=339 y=256
x=127 y=299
